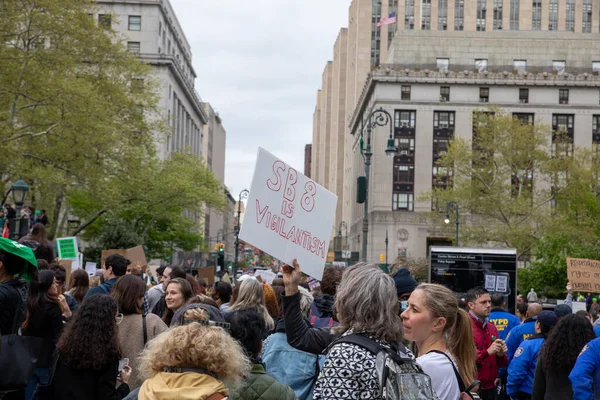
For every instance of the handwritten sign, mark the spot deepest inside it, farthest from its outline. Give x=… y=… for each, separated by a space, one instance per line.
x=288 y=215
x=583 y=274
x=67 y=248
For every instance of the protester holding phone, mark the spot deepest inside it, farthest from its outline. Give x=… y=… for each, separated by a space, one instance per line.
x=86 y=364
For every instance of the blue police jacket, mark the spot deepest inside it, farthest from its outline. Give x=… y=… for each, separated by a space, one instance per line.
x=585 y=375
x=597 y=331
x=504 y=322
x=518 y=335
x=521 y=369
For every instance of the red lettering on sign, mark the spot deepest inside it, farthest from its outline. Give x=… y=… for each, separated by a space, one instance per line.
x=289 y=192
x=278 y=169
x=308 y=199
x=260 y=214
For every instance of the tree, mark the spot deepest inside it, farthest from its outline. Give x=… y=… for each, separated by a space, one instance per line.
x=72 y=101
x=502 y=181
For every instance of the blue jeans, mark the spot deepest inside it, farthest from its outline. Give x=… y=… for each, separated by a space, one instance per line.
x=40 y=375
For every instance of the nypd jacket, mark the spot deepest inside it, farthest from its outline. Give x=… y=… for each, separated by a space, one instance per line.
x=585 y=375
x=521 y=370
x=504 y=321
x=518 y=335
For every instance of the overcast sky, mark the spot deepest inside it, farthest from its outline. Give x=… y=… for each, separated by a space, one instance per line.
x=259 y=64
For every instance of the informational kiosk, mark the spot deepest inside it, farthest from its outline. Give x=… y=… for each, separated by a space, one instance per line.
x=462 y=268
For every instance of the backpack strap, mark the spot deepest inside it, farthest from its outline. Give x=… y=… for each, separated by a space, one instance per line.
x=144 y=329
x=216 y=396
x=461 y=384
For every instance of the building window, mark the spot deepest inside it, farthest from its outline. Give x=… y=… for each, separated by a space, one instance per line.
x=375 y=33
x=570 y=16
x=559 y=67
x=392 y=8
x=443 y=119
x=105 y=21
x=481 y=15
x=133 y=47
x=405 y=92
x=563 y=96
x=596 y=66
x=406 y=146
x=562 y=122
x=409 y=15
x=402 y=201
x=596 y=123
x=514 y=15
x=553 y=17
x=404 y=174
x=536 y=19
x=524 y=95
x=443 y=15
x=135 y=23
x=404 y=119
x=459 y=15
x=524 y=118
x=445 y=93
x=426 y=15
x=484 y=95
x=520 y=66
x=442 y=64
x=481 y=64
x=497 y=15
x=586 y=26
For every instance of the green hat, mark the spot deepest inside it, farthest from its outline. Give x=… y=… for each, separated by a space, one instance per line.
x=19 y=250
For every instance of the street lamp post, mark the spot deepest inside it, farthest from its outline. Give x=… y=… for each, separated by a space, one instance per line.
x=19 y=190
x=379 y=117
x=452 y=205
x=243 y=195
x=387 y=264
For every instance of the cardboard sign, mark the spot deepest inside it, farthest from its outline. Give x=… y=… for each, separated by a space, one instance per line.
x=67 y=248
x=208 y=274
x=67 y=264
x=135 y=254
x=584 y=275
x=288 y=215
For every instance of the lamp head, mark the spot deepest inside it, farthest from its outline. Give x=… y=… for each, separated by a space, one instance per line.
x=391 y=150
x=447 y=219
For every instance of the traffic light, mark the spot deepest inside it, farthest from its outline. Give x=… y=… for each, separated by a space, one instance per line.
x=220 y=247
x=361 y=189
x=382 y=257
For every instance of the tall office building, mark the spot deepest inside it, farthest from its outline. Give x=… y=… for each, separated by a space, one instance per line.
x=307 y=159
x=537 y=60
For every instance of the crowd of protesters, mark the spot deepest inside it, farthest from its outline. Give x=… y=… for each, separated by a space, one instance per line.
x=360 y=334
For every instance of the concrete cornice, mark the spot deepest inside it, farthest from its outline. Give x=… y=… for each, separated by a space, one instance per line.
x=499 y=77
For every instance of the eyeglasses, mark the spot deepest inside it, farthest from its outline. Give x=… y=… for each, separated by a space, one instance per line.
x=119 y=318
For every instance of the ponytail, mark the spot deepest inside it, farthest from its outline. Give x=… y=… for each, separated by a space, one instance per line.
x=462 y=347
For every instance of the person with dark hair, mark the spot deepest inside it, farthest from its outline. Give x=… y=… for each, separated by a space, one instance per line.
x=114 y=267
x=136 y=329
x=521 y=370
x=42 y=218
x=38 y=242
x=203 y=285
x=42 y=264
x=194 y=284
x=491 y=352
x=156 y=292
x=88 y=354
x=248 y=327
x=405 y=285
x=222 y=295
x=168 y=274
x=321 y=311
x=521 y=312
x=557 y=358
x=524 y=331
x=79 y=285
x=503 y=320
x=60 y=276
x=177 y=293
x=44 y=320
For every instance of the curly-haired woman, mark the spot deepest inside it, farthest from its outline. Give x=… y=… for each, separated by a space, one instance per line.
x=89 y=353
x=191 y=362
x=558 y=357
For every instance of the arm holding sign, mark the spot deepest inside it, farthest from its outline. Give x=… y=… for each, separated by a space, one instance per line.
x=299 y=335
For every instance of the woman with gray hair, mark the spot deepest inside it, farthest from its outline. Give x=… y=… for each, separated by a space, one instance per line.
x=366 y=303
x=295 y=368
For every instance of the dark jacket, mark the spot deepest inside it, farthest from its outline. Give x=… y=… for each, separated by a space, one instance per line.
x=549 y=384
x=324 y=305
x=487 y=365
x=13 y=299
x=47 y=324
x=260 y=386
x=76 y=384
x=105 y=288
x=300 y=336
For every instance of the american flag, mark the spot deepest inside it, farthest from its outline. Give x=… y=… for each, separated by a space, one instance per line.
x=387 y=20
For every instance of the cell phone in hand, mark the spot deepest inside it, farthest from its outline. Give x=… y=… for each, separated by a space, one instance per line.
x=123 y=362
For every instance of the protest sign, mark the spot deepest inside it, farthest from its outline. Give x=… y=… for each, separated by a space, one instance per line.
x=134 y=254
x=267 y=276
x=67 y=265
x=584 y=275
x=208 y=274
x=90 y=268
x=288 y=215
x=67 y=248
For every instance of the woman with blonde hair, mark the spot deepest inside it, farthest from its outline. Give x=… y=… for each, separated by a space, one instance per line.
x=252 y=296
x=191 y=362
x=442 y=332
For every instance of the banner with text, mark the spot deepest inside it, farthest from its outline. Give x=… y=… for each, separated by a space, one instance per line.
x=288 y=215
x=584 y=274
